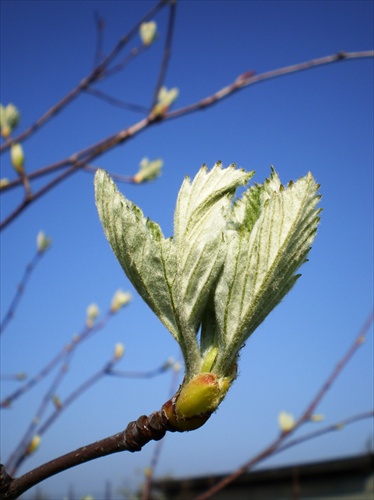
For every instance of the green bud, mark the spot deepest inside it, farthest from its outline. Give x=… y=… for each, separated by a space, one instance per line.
x=196 y=400
x=9 y=119
x=4 y=182
x=119 y=300
x=149 y=170
x=42 y=242
x=17 y=158
x=92 y=313
x=148 y=32
x=165 y=99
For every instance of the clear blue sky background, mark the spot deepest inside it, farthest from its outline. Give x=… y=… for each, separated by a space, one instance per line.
x=320 y=120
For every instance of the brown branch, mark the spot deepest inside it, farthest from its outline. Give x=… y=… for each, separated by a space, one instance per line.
x=86 y=333
x=249 y=78
x=337 y=426
x=20 y=290
x=100 y=25
x=305 y=417
x=132 y=439
x=92 y=77
x=116 y=102
x=80 y=159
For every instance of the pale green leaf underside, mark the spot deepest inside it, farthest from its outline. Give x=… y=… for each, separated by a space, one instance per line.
x=262 y=260
x=146 y=256
x=173 y=276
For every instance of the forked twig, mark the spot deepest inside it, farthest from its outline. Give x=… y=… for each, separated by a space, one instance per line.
x=96 y=74
x=277 y=444
x=80 y=159
x=20 y=290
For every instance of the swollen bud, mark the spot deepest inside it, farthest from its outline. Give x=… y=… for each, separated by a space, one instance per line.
x=148 y=32
x=34 y=444
x=9 y=119
x=17 y=157
x=196 y=400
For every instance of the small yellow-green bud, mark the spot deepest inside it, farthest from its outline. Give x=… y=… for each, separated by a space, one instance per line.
x=17 y=158
x=119 y=351
x=9 y=119
x=4 y=182
x=196 y=400
x=57 y=402
x=119 y=300
x=317 y=417
x=286 y=421
x=202 y=394
x=165 y=99
x=34 y=444
x=149 y=170
x=148 y=32
x=42 y=242
x=92 y=313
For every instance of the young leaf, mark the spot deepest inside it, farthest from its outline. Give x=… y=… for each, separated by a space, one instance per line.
x=200 y=217
x=261 y=262
x=145 y=255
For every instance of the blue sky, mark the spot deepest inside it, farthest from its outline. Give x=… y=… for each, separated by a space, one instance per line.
x=319 y=120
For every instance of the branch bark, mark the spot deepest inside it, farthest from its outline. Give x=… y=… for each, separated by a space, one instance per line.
x=132 y=439
x=81 y=159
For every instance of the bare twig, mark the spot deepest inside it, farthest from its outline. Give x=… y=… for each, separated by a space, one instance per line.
x=167 y=52
x=86 y=333
x=20 y=290
x=100 y=25
x=249 y=78
x=145 y=374
x=95 y=75
x=21 y=452
x=116 y=102
x=80 y=160
x=305 y=417
x=337 y=426
x=132 y=439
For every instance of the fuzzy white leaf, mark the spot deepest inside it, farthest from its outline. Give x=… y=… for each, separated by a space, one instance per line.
x=261 y=262
x=145 y=255
x=200 y=217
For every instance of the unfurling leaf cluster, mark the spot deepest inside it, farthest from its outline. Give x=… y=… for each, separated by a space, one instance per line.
x=227 y=265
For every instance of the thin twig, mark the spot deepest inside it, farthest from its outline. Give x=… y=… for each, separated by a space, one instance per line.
x=20 y=290
x=117 y=177
x=145 y=374
x=276 y=444
x=86 y=333
x=88 y=154
x=249 y=78
x=132 y=439
x=167 y=52
x=337 y=426
x=116 y=102
x=79 y=160
x=21 y=450
x=95 y=75
x=99 y=53
x=63 y=405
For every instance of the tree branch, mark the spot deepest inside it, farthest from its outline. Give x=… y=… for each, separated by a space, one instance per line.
x=79 y=160
x=136 y=435
x=278 y=443
x=97 y=73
